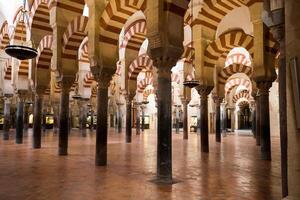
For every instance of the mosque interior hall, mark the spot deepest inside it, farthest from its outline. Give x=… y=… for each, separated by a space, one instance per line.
x=149 y=99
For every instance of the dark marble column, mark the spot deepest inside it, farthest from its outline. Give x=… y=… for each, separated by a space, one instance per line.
x=218 y=102
x=7 y=121
x=257 y=120
x=254 y=120
x=185 y=103
x=20 y=119
x=37 y=122
x=265 y=123
x=92 y=120
x=143 y=118
x=64 y=121
x=138 y=124
x=119 y=118
x=101 y=128
x=128 y=118
x=55 y=117
x=26 y=115
x=82 y=116
x=164 y=124
x=44 y=115
x=204 y=92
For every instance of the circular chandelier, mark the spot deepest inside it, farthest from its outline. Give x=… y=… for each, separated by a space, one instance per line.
x=191 y=83
x=25 y=50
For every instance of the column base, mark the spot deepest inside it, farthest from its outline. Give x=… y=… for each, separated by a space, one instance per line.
x=62 y=152
x=266 y=156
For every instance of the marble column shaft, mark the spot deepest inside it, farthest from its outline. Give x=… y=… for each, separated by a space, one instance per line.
x=128 y=119
x=204 y=92
x=101 y=128
x=7 y=119
x=164 y=125
x=20 y=120
x=37 y=122
x=265 y=136
x=218 y=119
x=257 y=120
x=138 y=124
x=185 y=119
x=64 y=121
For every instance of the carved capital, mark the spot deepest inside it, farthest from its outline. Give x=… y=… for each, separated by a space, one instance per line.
x=218 y=100
x=102 y=76
x=204 y=90
x=263 y=87
x=164 y=62
x=66 y=81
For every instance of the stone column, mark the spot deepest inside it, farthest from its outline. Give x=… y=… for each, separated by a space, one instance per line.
x=44 y=115
x=55 y=117
x=218 y=101
x=138 y=124
x=26 y=115
x=265 y=123
x=143 y=118
x=101 y=128
x=204 y=91
x=82 y=116
x=185 y=103
x=253 y=118
x=164 y=123
x=6 y=125
x=37 y=122
x=119 y=118
x=92 y=119
x=64 y=117
x=129 y=98
x=257 y=119
x=20 y=118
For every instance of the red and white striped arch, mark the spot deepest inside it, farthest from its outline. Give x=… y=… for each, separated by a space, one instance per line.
x=8 y=71
x=237 y=58
x=244 y=94
x=232 y=83
x=243 y=103
x=45 y=53
x=115 y=16
x=76 y=31
x=140 y=63
x=84 y=53
x=233 y=69
x=119 y=68
x=40 y=20
x=4 y=35
x=88 y=80
x=224 y=44
x=148 y=80
x=212 y=12
x=135 y=35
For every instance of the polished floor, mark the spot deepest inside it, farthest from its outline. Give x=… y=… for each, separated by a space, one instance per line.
x=231 y=171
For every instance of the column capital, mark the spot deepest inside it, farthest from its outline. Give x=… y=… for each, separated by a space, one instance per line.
x=66 y=81
x=164 y=63
x=218 y=100
x=102 y=76
x=204 y=90
x=263 y=87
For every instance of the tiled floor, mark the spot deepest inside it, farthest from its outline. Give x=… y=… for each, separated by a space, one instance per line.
x=231 y=171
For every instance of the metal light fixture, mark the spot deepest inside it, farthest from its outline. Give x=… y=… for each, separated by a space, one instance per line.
x=25 y=50
x=191 y=83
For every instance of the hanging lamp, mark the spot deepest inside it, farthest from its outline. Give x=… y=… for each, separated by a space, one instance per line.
x=191 y=83
x=25 y=50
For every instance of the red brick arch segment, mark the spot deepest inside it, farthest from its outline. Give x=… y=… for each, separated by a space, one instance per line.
x=243 y=94
x=76 y=31
x=233 y=69
x=45 y=53
x=140 y=63
x=237 y=82
x=224 y=44
x=40 y=20
x=148 y=80
x=212 y=12
x=4 y=35
x=135 y=35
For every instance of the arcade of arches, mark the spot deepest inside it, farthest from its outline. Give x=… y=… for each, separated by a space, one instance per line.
x=157 y=99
